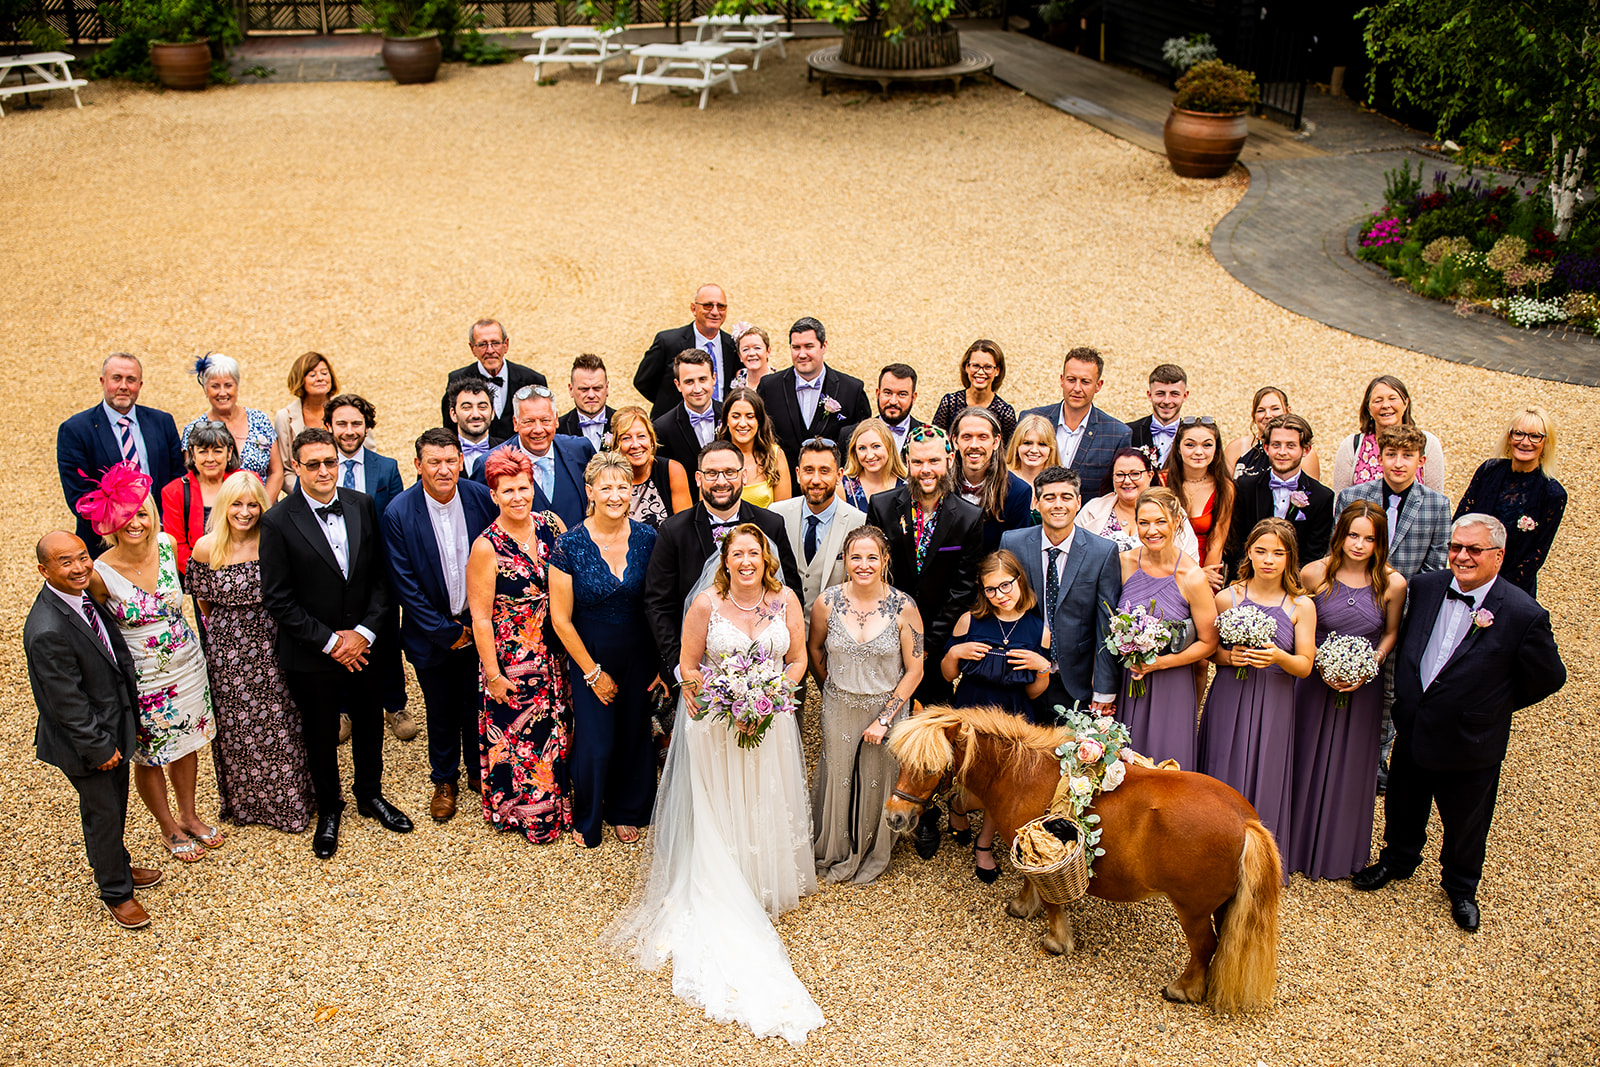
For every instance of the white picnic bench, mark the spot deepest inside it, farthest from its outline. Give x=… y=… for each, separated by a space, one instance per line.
x=579 y=46
x=40 y=63
x=709 y=62
x=751 y=33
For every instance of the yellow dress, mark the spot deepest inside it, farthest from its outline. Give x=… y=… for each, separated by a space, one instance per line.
x=759 y=494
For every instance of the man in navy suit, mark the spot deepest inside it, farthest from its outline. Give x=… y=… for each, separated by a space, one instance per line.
x=897 y=394
x=1077 y=577
x=490 y=344
x=1005 y=499
x=811 y=399
x=558 y=461
x=428 y=532
x=1473 y=651
x=654 y=378
x=348 y=417
x=1087 y=438
x=117 y=428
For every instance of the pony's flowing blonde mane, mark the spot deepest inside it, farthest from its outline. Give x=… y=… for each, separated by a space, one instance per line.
x=920 y=743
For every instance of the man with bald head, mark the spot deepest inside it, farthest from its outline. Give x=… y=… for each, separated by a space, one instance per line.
x=88 y=698
x=654 y=379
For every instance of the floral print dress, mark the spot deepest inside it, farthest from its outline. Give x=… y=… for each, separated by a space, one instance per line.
x=175 y=716
x=525 y=743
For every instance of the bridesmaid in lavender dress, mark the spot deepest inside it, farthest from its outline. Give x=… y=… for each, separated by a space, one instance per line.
x=1162 y=720
x=1247 y=732
x=1336 y=748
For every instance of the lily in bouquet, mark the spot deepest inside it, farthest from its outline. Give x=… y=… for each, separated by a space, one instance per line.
x=1248 y=626
x=1138 y=637
x=746 y=690
x=1346 y=662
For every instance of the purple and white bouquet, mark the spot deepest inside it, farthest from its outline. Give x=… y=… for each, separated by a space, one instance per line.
x=1138 y=636
x=1248 y=626
x=746 y=690
x=1346 y=660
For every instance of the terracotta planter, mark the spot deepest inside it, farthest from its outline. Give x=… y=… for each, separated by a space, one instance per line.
x=1201 y=145
x=412 y=60
x=182 y=66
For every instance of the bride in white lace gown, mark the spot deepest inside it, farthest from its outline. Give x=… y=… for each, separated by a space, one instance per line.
x=730 y=839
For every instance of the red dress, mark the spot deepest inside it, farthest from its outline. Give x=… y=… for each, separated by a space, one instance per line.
x=1202 y=525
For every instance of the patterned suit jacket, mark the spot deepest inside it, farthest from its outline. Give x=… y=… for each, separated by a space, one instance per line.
x=1422 y=532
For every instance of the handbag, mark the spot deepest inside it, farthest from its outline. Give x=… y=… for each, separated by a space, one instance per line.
x=1184 y=634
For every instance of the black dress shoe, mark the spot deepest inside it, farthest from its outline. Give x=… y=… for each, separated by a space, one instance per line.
x=925 y=838
x=326 y=840
x=1376 y=877
x=1464 y=910
x=389 y=817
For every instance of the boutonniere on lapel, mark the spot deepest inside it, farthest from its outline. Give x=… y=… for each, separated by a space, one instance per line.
x=1299 y=499
x=1526 y=524
x=903 y=530
x=1154 y=455
x=832 y=407
x=1482 y=619
x=607 y=442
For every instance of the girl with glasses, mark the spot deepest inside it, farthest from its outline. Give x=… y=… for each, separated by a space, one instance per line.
x=1519 y=488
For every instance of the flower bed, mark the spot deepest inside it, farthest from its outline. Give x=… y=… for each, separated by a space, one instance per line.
x=1486 y=248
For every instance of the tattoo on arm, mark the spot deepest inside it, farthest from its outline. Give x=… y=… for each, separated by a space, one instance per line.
x=916 y=643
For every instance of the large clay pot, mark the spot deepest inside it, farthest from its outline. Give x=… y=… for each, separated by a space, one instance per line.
x=866 y=46
x=182 y=66
x=412 y=60
x=1201 y=145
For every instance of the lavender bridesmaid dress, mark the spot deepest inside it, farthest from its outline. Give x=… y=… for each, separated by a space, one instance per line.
x=1247 y=731
x=1336 y=750
x=1161 y=723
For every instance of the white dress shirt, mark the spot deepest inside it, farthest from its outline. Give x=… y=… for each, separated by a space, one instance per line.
x=1048 y=610
x=138 y=436
x=712 y=346
x=808 y=394
x=498 y=386
x=1450 y=629
x=899 y=429
x=593 y=427
x=1164 y=442
x=1067 y=441
x=338 y=536
x=359 y=470
x=704 y=424
x=74 y=603
x=450 y=532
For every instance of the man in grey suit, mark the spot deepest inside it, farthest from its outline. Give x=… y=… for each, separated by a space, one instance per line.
x=88 y=698
x=1077 y=578
x=817 y=521
x=1087 y=438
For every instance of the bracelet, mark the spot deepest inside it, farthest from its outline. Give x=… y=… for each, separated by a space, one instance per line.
x=593 y=676
x=493 y=678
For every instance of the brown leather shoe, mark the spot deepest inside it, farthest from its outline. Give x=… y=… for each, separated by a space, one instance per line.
x=475 y=786
x=146 y=877
x=443 y=808
x=130 y=914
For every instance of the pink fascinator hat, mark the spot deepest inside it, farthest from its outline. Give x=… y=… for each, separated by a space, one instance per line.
x=116 y=499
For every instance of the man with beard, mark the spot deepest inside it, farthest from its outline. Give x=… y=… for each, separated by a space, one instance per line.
x=472 y=410
x=817 y=520
x=897 y=394
x=1004 y=498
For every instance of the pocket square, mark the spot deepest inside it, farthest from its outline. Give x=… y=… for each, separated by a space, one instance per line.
x=950 y=548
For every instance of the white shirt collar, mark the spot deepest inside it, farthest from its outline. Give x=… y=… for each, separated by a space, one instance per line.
x=313 y=501
x=502 y=377
x=802 y=382
x=701 y=339
x=531 y=455
x=1173 y=425
x=453 y=502
x=1479 y=594
x=1062 y=421
x=360 y=458
x=72 y=600
x=113 y=414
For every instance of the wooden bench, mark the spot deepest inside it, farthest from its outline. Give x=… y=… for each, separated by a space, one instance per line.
x=40 y=63
x=579 y=46
x=708 y=61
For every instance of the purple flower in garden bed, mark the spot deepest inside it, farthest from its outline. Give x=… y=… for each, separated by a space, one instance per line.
x=1579 y=273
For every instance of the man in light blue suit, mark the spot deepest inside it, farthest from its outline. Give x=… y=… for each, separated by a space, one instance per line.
x=558 y=460
x=1076 y=600
x=1087 y=438
x=428 y=532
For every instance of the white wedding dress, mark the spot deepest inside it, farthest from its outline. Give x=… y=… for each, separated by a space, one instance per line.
x=730 y=845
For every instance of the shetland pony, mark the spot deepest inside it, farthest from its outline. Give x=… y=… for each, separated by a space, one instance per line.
x=1174 y=833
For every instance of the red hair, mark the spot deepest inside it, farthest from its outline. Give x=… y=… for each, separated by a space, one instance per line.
x=506 y=463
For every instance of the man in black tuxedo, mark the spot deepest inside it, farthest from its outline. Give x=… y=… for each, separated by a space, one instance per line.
x=1284 y=491
x=117 y=428
x=1168 y=389
x=653 y=379
x=689 y=538
x=687 y=428
x=88 y=699
x=1473 y=651
x=490 y=343
x=897 y=393
x=590 y=415
x=471 y=408
x=322 y=581
x=811 y=399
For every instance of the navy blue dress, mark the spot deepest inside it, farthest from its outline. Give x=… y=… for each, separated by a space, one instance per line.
x=990 y=681
x=613 y=763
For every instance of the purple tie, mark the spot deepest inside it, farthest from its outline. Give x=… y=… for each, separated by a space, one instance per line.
x=716 y=371
x=130 y=452
x=92 y=617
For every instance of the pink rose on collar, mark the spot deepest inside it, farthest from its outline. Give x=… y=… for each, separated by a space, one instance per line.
x=1482 y=619
x=1300 y=499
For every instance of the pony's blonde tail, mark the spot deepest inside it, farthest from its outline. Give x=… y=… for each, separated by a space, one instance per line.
x=1245 y=966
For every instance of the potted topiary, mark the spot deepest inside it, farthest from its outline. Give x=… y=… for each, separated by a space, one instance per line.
x=180 y=35
x=1206 y=129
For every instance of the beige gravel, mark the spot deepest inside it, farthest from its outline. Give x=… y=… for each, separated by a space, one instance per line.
x=374 y=223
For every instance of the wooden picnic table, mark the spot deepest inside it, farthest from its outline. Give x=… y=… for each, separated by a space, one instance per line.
x=709 y=62
x=40 y=63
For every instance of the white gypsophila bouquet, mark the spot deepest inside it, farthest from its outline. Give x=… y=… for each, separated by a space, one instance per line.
x=1248 y=626
x=1345 y=660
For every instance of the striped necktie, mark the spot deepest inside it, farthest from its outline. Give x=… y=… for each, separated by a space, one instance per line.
x=130 y=451
x=92 y=617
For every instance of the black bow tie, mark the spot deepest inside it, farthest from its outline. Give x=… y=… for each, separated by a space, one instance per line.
x=1452 y=593
x=335 y=508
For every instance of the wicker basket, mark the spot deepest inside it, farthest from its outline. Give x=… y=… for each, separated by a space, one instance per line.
x=1061 y=882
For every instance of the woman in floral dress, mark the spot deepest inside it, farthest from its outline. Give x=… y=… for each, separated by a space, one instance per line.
x=260 y=752
x=525 y=728
x=137 y=580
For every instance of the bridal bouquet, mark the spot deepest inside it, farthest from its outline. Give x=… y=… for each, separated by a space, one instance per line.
x=746 y=690
x=1138 y=636
x=1249 y=626
x=1345 y=659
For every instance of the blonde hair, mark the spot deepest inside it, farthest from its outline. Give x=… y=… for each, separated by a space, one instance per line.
x=852 y=465
x=623 y=420
x=772 y=577
x=110 y=539
x=1032 y=424
x=601 y=462
x=1163 y=498
x=1547 y=458
x=237 y=486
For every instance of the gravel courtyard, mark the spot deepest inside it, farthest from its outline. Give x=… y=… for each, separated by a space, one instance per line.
x=373 y=223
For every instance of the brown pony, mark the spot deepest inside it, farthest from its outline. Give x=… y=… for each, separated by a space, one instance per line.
x=1176 y=833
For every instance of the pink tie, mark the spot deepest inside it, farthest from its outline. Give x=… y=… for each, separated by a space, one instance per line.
x=92 y=617
x=125 y=437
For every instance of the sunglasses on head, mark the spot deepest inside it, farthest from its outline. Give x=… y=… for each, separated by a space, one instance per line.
x=1203 y=420
x=531 y=390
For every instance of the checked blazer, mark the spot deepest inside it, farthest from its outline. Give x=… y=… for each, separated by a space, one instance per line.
x=1422 y=532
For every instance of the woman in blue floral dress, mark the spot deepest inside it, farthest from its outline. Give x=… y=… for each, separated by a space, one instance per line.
x=252 y=428
x=525 y=728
